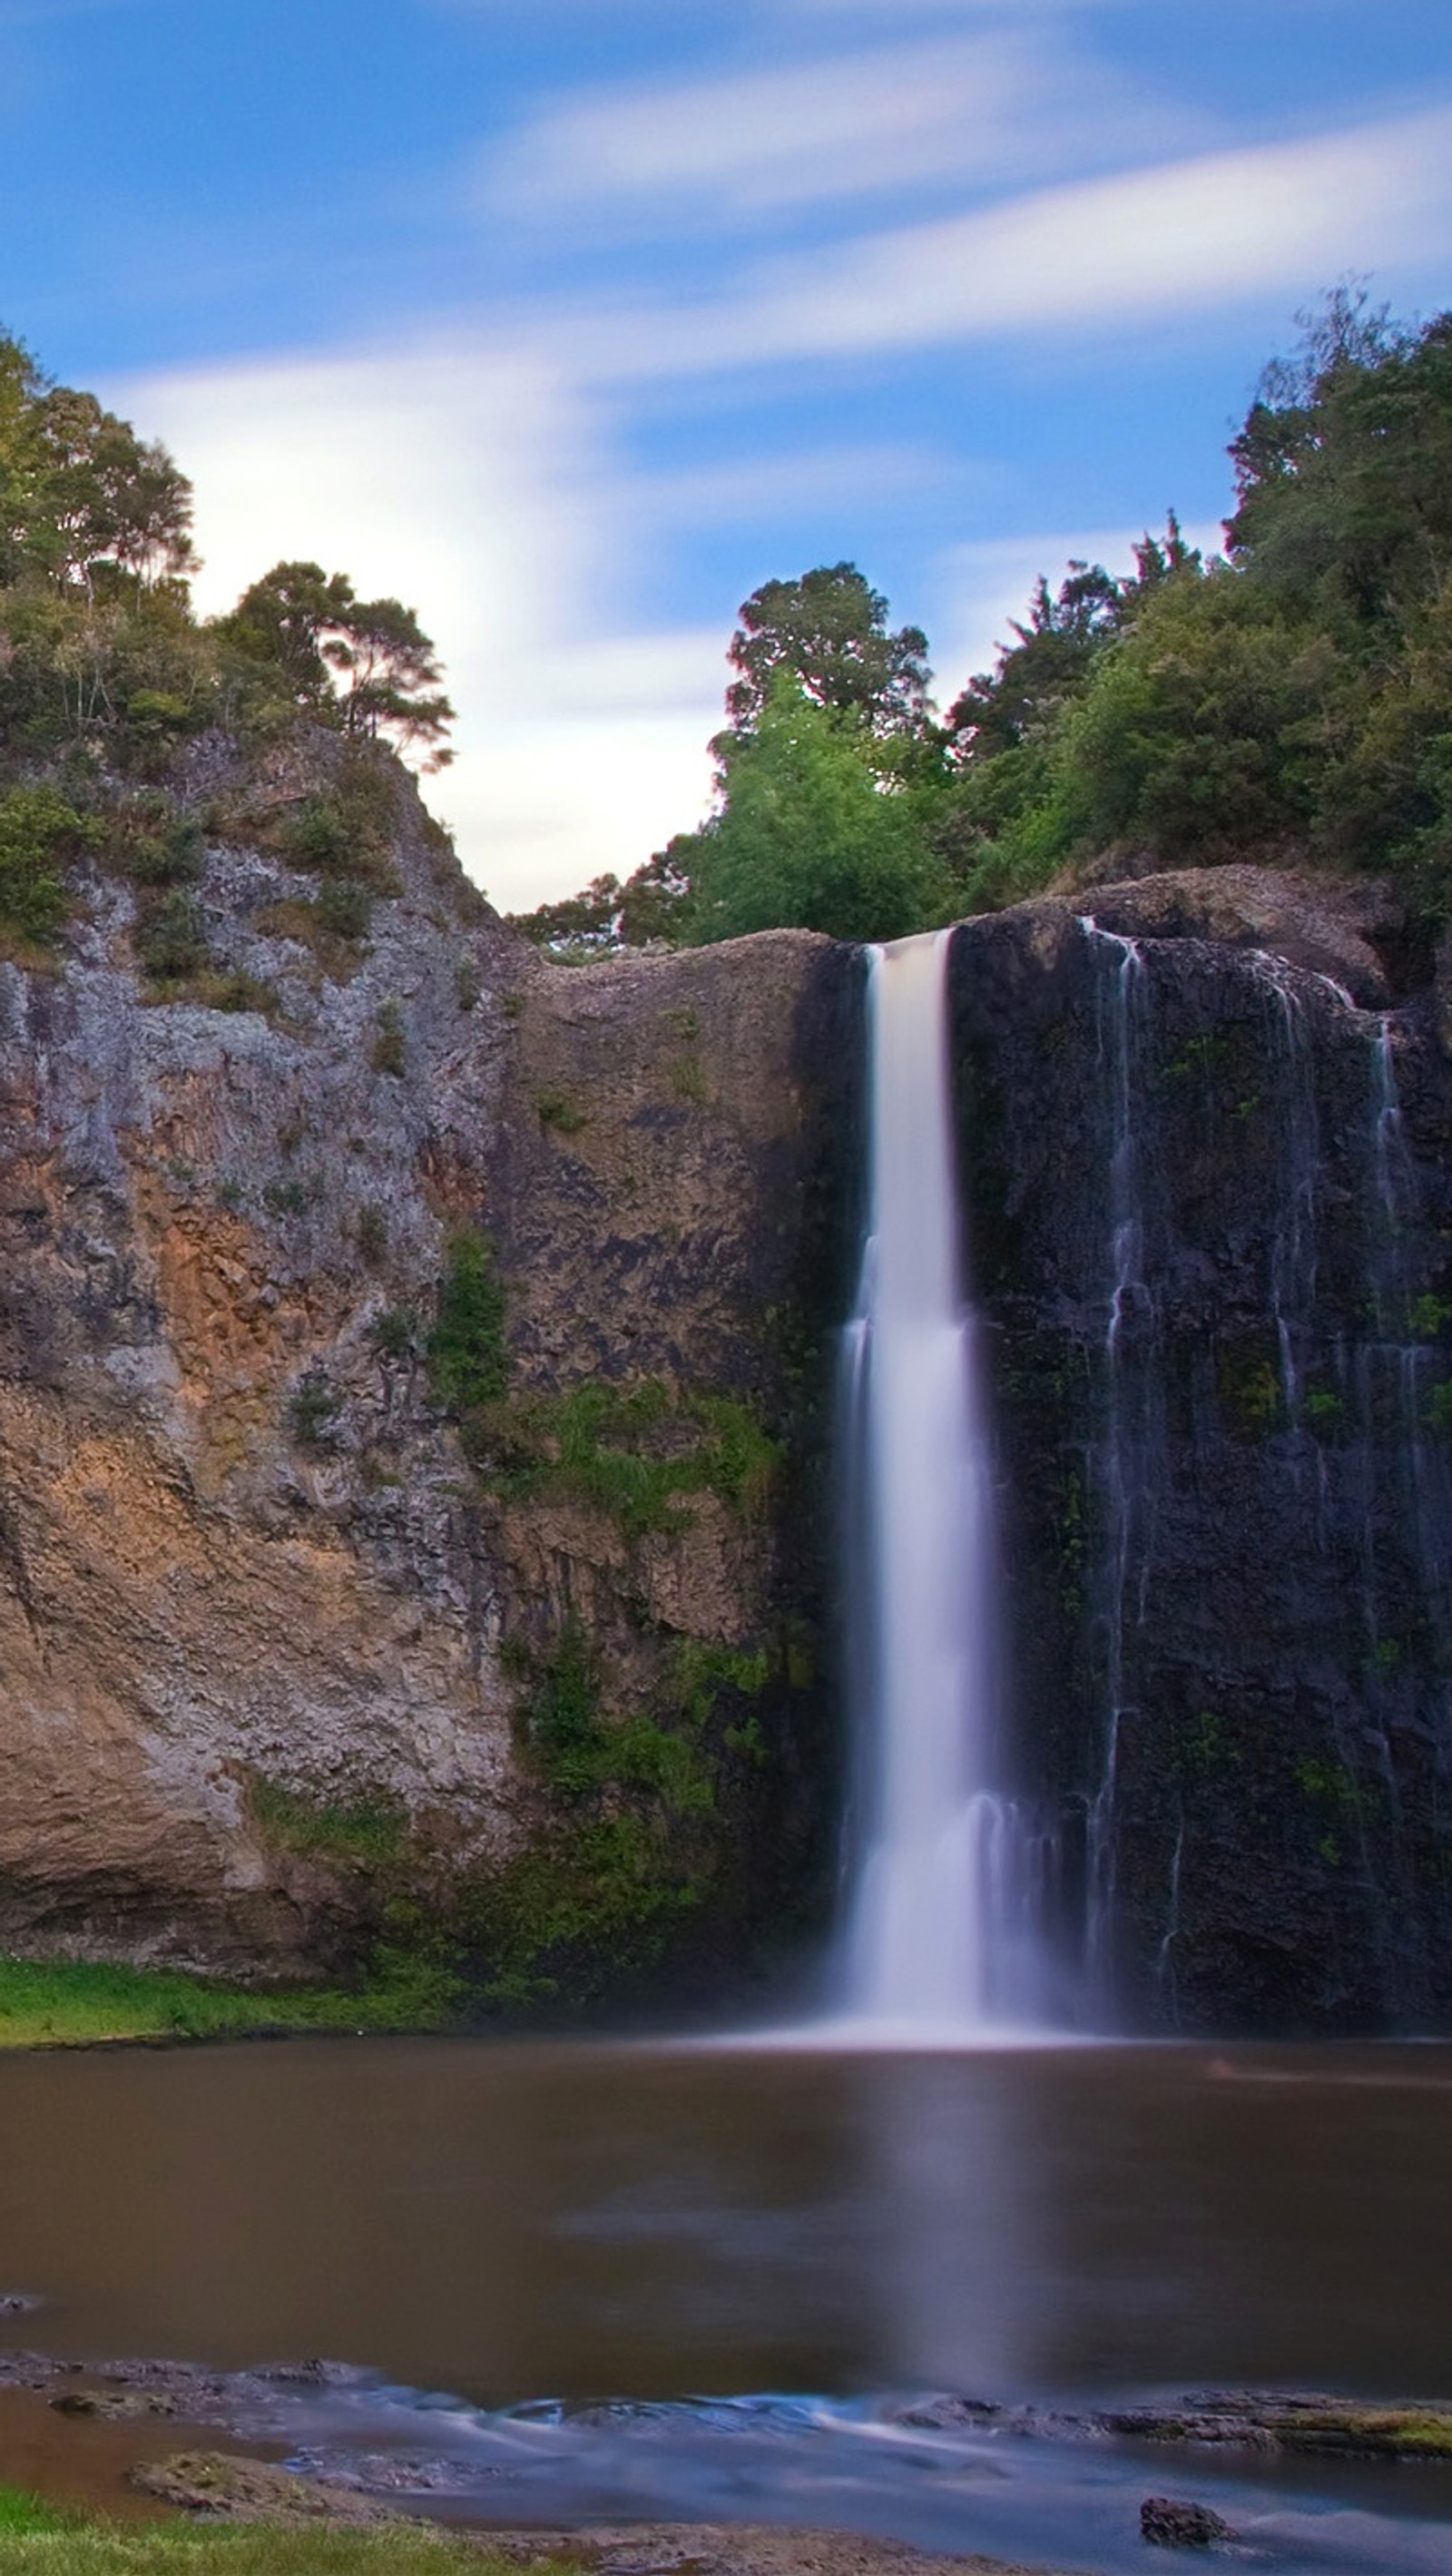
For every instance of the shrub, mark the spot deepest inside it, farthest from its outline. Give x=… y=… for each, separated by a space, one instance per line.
x=39 y=831
x=344 y=908
x=371 y=1233
x=314 y=1409
x=468 y=1361
x=158 y=848
x=394 y=1333
x=170 y=940
x=347 y=830
x=556 y=1109
x=389 y=1051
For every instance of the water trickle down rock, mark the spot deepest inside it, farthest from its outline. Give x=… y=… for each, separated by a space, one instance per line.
x=1218 y=1447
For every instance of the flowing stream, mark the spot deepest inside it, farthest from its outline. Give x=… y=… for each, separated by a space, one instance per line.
x=940 y=1931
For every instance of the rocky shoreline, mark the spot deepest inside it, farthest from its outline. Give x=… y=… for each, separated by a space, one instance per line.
x=350 y=2484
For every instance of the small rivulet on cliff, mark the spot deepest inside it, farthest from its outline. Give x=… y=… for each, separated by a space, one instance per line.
x=1207 y=1136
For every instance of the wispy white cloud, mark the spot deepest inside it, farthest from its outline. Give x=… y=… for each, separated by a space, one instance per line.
x=1134 y=248
x=761 y=488
x=966 y=111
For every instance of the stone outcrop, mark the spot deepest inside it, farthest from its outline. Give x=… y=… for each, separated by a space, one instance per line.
x=261 y=1618
x=1206 y=1141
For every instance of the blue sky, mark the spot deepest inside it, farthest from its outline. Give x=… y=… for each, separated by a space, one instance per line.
x=570 y=323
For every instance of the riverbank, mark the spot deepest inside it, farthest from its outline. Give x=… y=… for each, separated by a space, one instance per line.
x=35 y=2536
x=68 y=2003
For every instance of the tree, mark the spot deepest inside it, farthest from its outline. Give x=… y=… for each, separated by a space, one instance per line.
x=649 y=910
x=828 y=631
x=79 y=490
x=392 y=673
x=807 y=838
x=1344 y=473
x=105 y=496
x=1002 y=709
x=281 y=621
x=314 y=631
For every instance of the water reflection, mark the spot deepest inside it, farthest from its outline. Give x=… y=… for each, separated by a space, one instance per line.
x=512 y=2222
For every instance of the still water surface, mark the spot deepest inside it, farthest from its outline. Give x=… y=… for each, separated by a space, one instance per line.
x=512 y=2223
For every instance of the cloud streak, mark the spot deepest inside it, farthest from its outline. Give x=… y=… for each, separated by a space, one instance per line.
x=1135 y=248
x=967 y=112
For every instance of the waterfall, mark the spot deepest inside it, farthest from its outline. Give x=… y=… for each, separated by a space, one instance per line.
x=941 y=1922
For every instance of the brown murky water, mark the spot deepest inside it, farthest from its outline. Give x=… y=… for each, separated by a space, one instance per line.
x=517 y=2222
x=513 y=2221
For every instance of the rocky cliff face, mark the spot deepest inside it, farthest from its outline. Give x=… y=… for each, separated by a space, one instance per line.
x=300 y=1635
x=1206 y=1163
x=415 y=1369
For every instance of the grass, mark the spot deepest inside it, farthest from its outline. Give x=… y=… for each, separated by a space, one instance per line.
x=636 y=1453
x=371 y=1831
x=39 y=2537
x=73 y=2003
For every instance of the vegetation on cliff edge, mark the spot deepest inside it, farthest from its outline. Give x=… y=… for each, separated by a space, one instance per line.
x=107 y=676
x=1289 y=703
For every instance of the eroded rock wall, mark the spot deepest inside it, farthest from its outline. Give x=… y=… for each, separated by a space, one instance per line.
x=263 y=1612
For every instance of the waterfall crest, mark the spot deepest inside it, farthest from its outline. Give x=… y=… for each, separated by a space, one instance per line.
x=941 y=1922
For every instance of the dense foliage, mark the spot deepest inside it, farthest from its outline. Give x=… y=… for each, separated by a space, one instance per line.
x=1289 y=702
x=106 y=673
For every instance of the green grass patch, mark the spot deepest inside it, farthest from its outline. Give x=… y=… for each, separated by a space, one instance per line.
x=370 y=1831
x=36 y=2537
x=556 y=1109
x=467 y=1357
x=76 y=2003
x=22 y=2512
x=636 y=1453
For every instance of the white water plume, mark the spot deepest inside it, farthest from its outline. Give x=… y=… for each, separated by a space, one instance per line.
x=940 y=1939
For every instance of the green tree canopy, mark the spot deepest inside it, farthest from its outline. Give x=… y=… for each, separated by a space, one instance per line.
x=807 y=837
x=79 y=490
x=828 y=631
x=368 y=659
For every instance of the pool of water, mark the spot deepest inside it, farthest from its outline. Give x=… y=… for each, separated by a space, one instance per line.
x=801 y=2238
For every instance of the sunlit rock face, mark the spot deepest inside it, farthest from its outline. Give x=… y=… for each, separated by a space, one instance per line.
x=266 y=1630
x=1205 y=1126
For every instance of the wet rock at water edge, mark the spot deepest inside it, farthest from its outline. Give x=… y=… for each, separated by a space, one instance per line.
x=225 y=2486
x=1169 y=2522
x=115 y=2405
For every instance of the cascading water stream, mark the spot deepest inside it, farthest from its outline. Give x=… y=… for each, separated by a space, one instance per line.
x=940 y=1934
